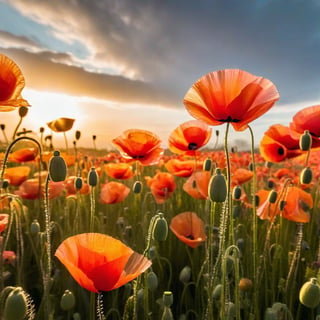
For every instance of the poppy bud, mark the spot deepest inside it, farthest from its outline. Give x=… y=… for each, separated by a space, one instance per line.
x=57 y=167
x=245 y=284
x=78 y=134
x=94 y=137
x=272 y=197
x=167 y=298
x=152 y=253
x=35 y=227
x=152 y=281
x=229 y=264
x=67 y=300
x=207 y=165
x=309 y=294
x=92 y=177
x=306 y=176
x=236 y=193
x=185 y=274
x=41 y=129
x=282 y=204
x=160 y=228
x=270 y=184
x=250 y=167
x=16 y=305
x=23 y=111
x=240 y=244
x=217 y=190
x=216 y=294
x=78 y=183
x=5 y=183
x=305 y=141
x=137 y=187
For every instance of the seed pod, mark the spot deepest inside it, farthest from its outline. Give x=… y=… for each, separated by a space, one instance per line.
x=217 y=189
x=167 y=298
x=23 y=111
x=16 y=305
x=137 y=187
x=152 y=281
x=309 y=294
x=272 y=197
x=160 y=228
x=305 y=141
x=306 y=176
x=57 y=167
x=185 y=274
x=78 y=134
x=78 y=183
x=35 y=227
x=207 y=165
x=67 y=301
x=236 y=194
x=92 y=177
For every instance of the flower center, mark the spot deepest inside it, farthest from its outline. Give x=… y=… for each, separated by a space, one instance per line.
x=280 y=151
x=229 y=119
x=192 y=146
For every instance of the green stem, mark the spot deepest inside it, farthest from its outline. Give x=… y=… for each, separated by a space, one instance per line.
x=16 y=129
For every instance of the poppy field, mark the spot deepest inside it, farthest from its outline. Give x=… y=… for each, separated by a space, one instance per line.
x=143 y=232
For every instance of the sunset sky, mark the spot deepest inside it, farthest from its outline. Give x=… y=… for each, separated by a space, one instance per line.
x=121 y=64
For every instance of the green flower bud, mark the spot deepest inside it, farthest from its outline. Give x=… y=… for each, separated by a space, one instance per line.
x=272 y=197
x=57 y=167
x=309 y=294
x=305 y=141
x=152 y=281
x=35 y=227
x=67 y=301
x=137 y=187
x=160 y=228
x=16 y=305
x=92 y=177
x=185 y=274
x=207 y=165
x=306 y=176
x=217 y=189
x=167 y=298
x=236 y=193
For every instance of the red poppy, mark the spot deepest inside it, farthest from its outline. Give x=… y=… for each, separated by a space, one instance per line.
x=140 y=145
x=189 y=137
x=113 y=192
x=307 y=119
x=182 y=168
x=4 y=220
x=278 y=144
x=189 y=228
x=9 y=257
x=121 y=171
x=297 y=206
x=230 y=95
x=240 y=176
x=11 y=85
x=61 y=124
x=99 y=262
x=162 y=186
x=23 y=155
x=197 y=184
x=16 y=175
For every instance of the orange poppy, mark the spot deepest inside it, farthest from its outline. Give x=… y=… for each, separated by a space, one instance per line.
x=23 y=155
x=189 y=137
x=298 y=204
x=240 y=176
x=189 y=228
x=11 y=85
x=61 y=124
x=140 y=145
x=16 y=175
x=181 y=168
x=197 y=184
x=278 y=144
x=120 y=171
x=113 y=192
x=4 y=220
x=69 y=185
x=307 y=119
x=99 y=262
x=230 y=95
x=162 y=186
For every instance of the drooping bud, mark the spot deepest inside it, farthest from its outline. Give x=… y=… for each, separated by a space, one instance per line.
x=306 y=176
x=185 y=274
x=305 y=141
x=67 y=301
x=217 y=190
x=152 y=281
x=16 y=305
x=57 y=167
x=216 y=294
x=92 y=177
x=309 y=294
x=160 y=228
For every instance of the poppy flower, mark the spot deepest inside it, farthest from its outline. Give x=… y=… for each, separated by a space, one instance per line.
x=11 y=85
x=278 y=144
x=4 y=220
x=162 y=186
x=181 y=168
x=297 y=205
x=121 y=171
x=240 y=176
x=99 y=262
x=61 y=124
x=113 y=192
x=307 y=119
x=16 y=175
x=23 y=155
x=197 y=184
x=189 y=228
x=9 y=257
x=230 y=95
x=140 y=145
x=189 y=137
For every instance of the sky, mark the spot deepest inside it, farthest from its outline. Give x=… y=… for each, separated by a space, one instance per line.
x=115 y=65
